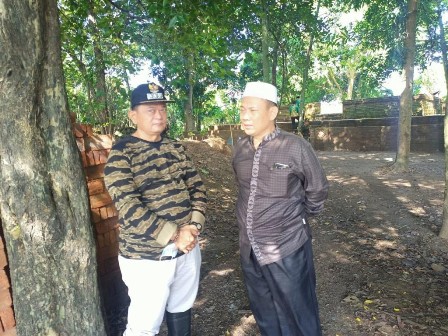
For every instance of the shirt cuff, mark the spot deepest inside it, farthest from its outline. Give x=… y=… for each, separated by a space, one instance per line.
x=198 y=217
x=168 y=231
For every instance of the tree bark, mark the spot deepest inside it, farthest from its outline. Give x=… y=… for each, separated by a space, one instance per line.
x=444 y=230
x=274 y=65
x=351 y=74
x=43 y=198
x=306 y=71
x=189 y=118
x=265 y=41
x=100 y=98
x=404 y=126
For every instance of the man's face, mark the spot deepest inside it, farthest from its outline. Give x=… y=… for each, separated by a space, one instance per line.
x=257 y=116
x=150 y=118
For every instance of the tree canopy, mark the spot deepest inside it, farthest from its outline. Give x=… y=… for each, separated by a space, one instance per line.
x=205 y=51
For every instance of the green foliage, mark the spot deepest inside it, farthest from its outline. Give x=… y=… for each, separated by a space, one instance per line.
x=96 y=44
x=204 y=52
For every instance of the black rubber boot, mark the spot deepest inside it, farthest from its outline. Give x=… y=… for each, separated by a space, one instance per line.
x=179 y=324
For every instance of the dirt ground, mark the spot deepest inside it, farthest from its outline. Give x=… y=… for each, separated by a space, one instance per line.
x=381 y=269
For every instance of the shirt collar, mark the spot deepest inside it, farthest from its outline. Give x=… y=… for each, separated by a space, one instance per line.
x=268 y=137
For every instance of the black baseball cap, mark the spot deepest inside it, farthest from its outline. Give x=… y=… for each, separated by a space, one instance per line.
x=148 y=93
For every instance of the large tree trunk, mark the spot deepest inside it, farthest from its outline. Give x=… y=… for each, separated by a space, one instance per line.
x=43 y=198
x=444 y=231
x=404 y=124
x=265 y=42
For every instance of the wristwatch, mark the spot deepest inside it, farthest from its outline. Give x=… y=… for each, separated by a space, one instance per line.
x=198 y=225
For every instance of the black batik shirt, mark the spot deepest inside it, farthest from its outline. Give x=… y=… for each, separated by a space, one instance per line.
x=281 y=183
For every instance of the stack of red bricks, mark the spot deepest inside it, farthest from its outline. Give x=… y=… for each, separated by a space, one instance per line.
x=94 y=149
x=7 y=320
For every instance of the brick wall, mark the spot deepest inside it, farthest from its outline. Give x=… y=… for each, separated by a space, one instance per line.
x=378 y=134
x=375 y=134
x=371 y=107
x=423 y=105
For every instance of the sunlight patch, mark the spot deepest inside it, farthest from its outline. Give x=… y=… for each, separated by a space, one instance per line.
x=418 y=211
x=403 y=199
x=222 y=272
x=385 y=244
x=398 y=183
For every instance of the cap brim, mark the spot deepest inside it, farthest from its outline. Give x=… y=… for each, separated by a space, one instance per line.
x=155 y=101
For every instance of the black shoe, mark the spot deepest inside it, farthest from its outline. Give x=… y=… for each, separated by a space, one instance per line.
x=179 y=324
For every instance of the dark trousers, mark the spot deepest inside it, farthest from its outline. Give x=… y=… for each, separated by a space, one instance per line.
x=283 y=294
x=294 y=123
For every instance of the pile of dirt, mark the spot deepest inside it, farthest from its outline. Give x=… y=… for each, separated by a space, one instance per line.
x=381 y=268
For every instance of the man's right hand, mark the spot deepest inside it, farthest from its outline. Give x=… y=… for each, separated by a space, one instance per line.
x=187 y=238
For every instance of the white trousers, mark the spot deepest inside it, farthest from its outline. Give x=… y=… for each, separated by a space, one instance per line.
x=156 y=286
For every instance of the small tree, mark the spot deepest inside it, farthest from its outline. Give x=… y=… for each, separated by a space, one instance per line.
x=43 y=198
x=404 y=127
x=444 y=231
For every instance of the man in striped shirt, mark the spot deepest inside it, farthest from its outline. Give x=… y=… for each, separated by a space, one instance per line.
x=281 y=183
x=161 y=203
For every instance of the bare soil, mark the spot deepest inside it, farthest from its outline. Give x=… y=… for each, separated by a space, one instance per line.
x=380 y=266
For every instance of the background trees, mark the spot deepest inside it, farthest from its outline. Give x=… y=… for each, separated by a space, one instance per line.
x=335 y=49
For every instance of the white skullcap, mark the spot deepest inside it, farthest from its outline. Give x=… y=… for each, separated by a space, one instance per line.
x=261 y=90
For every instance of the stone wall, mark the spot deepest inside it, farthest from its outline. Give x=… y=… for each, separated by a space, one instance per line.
x=378 y=134
x=423 y=105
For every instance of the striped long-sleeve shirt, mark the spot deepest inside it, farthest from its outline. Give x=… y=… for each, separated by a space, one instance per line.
x=155 y=189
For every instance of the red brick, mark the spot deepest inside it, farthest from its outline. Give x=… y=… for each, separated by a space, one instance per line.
x=111 y=211
x=83 y=159
x=100 y=240
x=107 y=252
x=96 y=186
x=79 y=131
x=5 y=298
x=105 y=155
x=95 y=172
x=7 y=317
x=103 y=213
x=3 y=258
x=96 y=217
x=100 y=155
x=108 y=211
x=9 y=332
x=90 y=158
x=97 y=142
x=100 y=200
x=107 y=225
x=88 y=130
x=107 y=239
x=4 y=280
x=112 y=238
x=80 y=144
